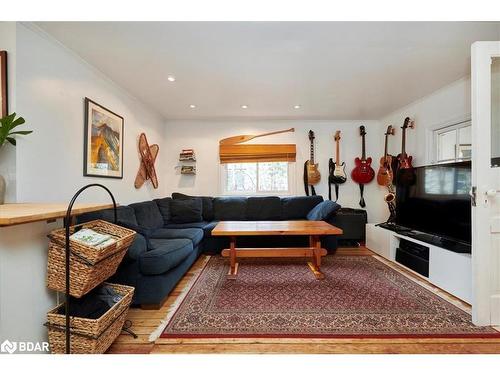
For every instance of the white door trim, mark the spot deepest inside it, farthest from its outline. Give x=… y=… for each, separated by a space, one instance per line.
x=485 y=260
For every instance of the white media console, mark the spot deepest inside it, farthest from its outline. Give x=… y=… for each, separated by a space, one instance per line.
x=448 y=270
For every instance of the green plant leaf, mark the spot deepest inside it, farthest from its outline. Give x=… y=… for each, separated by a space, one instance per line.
x=8 y=123
x=17 y=122
x=21 y=132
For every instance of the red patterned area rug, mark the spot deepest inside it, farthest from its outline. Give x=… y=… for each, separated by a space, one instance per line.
x=360 y=297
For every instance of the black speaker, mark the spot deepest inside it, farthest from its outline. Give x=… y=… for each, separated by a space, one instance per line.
x=414 y=256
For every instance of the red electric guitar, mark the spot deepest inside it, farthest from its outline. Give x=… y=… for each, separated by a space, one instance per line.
x=362 y=173
x=405 y=173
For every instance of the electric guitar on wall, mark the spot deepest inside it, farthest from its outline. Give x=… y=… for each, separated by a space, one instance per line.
x=313 y=175
x=405 y=174
x=337 y=173
x=362 y=173
x=385 y=173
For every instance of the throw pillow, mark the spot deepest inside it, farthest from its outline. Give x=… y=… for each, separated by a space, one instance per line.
x=323 y=211
x=206 y=205
x=164 y=206
x=148 y=214
x=186 y=210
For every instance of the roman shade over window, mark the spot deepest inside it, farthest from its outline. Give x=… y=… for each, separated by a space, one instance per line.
x=257 y=153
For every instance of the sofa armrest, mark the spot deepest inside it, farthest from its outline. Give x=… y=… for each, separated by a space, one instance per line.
x=136 y=248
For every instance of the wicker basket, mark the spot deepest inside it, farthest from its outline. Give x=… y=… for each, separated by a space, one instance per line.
x=89 y=266
x=89 y=336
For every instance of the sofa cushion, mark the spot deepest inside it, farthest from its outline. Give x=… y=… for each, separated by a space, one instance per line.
x=294 y=208
x=263 y=208
x=122 y=212
x=185 y=210
x=323 y=211
x=230 y=208
x=206 y=204
x=193 y=234
x=164 y=255
x=148 y=214
x=207 y=226
x=164 y=207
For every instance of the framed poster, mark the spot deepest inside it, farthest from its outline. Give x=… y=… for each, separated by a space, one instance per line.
x=3 y=85
x=103 y=142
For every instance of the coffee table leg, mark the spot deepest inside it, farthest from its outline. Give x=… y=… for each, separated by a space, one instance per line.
x=315 y=265
x=232 y=258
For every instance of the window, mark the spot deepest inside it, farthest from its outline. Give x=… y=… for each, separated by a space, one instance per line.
x=256 y=178
x=453 y=143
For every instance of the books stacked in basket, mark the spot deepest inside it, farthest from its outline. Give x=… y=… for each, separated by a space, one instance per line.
x=97 y=248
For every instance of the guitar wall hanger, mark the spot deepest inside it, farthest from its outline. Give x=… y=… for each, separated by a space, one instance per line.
x=148 y=156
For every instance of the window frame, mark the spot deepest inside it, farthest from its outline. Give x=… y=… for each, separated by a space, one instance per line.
x=291 y=182
x=456 y=126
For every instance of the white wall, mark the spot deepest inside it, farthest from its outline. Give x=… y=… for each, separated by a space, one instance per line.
x=8 y=152
x=204 y=136
x=446 y=106
x=52 y=83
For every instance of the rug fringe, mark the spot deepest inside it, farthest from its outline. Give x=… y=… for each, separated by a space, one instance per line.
x=171 y=310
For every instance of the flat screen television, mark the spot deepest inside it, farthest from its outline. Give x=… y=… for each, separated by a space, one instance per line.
x=438 y=202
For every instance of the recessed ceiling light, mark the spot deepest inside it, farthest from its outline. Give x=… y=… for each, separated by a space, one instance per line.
x=244 y=106
x=171 y=78
x=296 y=106
x=192 y=106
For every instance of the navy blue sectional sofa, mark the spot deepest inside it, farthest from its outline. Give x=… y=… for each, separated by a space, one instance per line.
x=173 y=232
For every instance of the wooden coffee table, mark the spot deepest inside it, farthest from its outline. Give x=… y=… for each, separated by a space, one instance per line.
x=313 y=229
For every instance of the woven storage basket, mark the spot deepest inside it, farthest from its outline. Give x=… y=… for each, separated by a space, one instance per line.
x=89 y=266
x=89 y=336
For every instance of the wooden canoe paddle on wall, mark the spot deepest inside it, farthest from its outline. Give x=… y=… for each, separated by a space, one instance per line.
x=245 y=138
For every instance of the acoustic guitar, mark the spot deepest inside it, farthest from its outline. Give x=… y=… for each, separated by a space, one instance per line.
x=385 y=173
x=313 y=175
x=362 y=173
x=336 y=175
x=405 y=174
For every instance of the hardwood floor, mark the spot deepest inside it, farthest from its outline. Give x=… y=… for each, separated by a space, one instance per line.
x=146 y=321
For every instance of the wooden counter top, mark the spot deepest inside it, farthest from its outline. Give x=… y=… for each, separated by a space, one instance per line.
x=21 y=213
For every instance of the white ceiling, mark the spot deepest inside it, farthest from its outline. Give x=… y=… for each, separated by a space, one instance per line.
x=334 y=70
